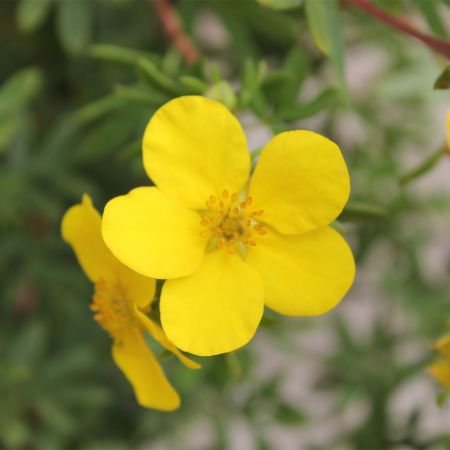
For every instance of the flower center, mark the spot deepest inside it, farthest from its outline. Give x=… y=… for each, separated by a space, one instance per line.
x=111 y=309
x=230 y=223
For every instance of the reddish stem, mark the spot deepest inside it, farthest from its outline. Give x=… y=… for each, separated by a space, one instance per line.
x=438 y=45
x=175 y=31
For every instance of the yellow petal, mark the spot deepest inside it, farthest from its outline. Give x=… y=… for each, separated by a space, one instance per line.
x=81 y=228
x=301 y=182
x=139 y=290
x=137 y=362
x=442 y=346
x=152 y=235
x=440 y=370
x=194 y=148
x=303 y=275
x=157 y=332
x=215 y=310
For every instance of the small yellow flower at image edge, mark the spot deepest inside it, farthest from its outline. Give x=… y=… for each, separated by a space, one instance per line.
x=440 y=368
x=120 y=302
x=228 y=243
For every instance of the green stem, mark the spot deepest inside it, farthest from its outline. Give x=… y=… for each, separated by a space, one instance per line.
x=363 y=210
x=424 y=167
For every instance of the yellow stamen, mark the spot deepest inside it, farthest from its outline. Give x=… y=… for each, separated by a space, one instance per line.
x=111 y=309
x=228 y=223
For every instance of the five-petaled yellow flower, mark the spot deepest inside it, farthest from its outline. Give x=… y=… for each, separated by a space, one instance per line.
x=119 y=304
x=227 y=244
x=440 y=369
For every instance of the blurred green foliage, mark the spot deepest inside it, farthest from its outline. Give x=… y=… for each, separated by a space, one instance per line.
x=79 y=81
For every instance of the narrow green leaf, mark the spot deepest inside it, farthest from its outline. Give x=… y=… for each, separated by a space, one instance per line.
x=159 y=78
x=19 y=89
x=252 y=77
x=303 y=110
x=288 y=415
x=443 y=81
x=361 y=210
x=316 y=15
x=425 y=166
x=194 y=84
x=74 y=25
x=222 y=92
x=432 y=15
x=32 y=13
x=325 y=26
x=234 y=366
x=96 y=109
x=283 y=87
x=139 y=94
x=281 y=4
x=117 y=54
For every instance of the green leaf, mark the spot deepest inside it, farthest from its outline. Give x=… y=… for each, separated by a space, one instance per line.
x=158 y=78
x=432 y=15
x=19 y=90
x=54 y=415
x=32 y=13
x=9 y=126
x=303 y=110
x=443 y=81
x=233 y=365
x=118 y=54
x=361 y=210
x=74 y=25
x=284 y=86
x=96 y=109
x=252 y=77
x=140 y=94
x=425 y=166
x=281 y=4
x=104 y=139
x=194 y=84
x=30 y=344
x=316 y=15
x=222 y=92
x=288 y=415
x=325 y=26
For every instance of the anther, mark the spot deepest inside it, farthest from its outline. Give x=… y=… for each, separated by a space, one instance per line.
x=225 y=194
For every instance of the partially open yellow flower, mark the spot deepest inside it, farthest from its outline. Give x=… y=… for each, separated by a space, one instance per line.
x=119 y=304
x=228 y=244
x=440 y=369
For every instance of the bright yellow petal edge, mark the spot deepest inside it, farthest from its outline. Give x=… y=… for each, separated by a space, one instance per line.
x=81 y=228
x=440 y=368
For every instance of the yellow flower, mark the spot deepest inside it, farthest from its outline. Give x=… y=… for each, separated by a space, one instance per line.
x=440 y=369
x=119 y=304
x=227 y=244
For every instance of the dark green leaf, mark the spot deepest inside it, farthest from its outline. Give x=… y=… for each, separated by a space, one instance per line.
x=432 y=15
x=19 y=89
x=289 y=415
x=32 y=13
x=74 y=25
x=443 y=81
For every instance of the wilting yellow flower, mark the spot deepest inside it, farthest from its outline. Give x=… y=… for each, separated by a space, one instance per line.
x=119 y=304
x=440 y=369
x=228 y=244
